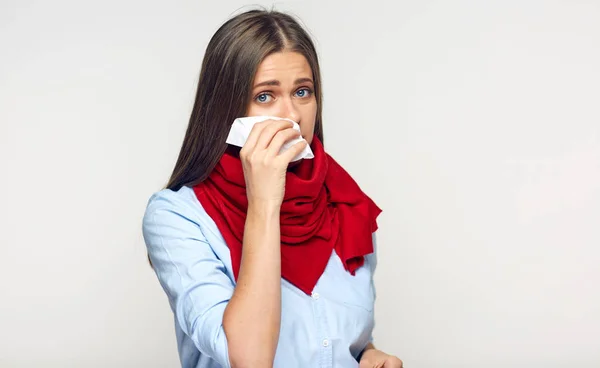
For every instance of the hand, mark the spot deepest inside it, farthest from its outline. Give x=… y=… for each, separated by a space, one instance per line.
x=264 y=167
x=373 y=358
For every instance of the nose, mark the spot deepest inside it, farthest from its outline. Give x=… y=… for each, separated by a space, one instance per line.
x=290 y=111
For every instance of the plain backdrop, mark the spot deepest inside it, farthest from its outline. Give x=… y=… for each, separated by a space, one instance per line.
x=474 y=125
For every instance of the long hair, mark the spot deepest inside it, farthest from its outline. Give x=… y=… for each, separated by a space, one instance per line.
x=224 y=90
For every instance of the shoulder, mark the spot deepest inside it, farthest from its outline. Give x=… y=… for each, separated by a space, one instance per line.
x=179 y=233
x=182 y=199
x=167 y=208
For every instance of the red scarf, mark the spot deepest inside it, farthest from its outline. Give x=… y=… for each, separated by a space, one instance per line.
x=323 y=209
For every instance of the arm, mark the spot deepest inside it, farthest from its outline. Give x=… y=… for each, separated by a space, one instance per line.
x=370 y=356
x=193 y=277
x=253 y=316
x=255 y=308
x=230 y=324
x=237 y=326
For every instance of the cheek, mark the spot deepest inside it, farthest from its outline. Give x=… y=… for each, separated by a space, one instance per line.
x=254 y=110
x=307 y=126
x=308 y=131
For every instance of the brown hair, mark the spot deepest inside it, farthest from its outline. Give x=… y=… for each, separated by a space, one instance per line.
x=230 y=63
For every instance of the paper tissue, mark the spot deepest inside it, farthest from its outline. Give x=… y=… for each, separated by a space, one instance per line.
x=241 y=127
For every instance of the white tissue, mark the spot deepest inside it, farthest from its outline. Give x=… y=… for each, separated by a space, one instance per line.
x=241 y=127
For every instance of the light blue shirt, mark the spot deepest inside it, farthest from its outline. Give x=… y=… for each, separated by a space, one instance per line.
x=329 y=328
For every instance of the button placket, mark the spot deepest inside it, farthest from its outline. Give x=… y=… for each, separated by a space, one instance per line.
x=326 y=355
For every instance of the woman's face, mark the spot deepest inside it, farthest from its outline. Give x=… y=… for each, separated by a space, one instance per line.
x=284 y=87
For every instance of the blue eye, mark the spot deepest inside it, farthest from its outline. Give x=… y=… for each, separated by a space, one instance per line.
x=262 y=98
x=304 y=92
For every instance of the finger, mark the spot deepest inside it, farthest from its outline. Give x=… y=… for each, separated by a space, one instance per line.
x=280 y=139
x=293 y=151
x=271 y=128
x=253 y=135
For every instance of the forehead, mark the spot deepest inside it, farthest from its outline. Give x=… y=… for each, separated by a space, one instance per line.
x=283 y=66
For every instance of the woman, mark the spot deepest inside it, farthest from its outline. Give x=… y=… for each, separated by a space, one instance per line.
x=266 y=262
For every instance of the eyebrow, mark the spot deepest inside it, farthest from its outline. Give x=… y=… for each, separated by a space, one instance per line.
x=275 y=82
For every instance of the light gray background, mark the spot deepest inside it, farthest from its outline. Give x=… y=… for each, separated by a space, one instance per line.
x=474 y=125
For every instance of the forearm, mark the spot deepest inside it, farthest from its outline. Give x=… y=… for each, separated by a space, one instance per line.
x=252 y=317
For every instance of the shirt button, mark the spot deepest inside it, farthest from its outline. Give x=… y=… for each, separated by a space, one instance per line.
x=315 y=296
x=325 y=343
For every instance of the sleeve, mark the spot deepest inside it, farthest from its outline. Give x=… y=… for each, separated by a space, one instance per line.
x=190 y=273
x=372 y=259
